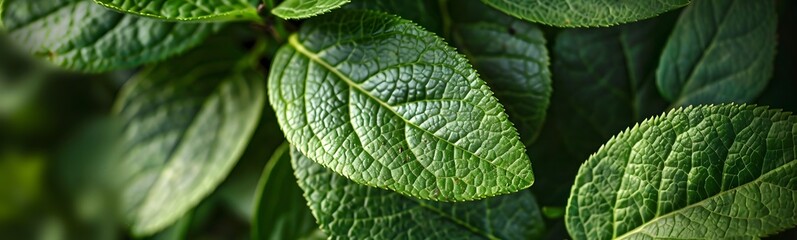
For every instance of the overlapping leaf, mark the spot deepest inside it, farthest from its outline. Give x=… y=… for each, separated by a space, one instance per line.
x=711 y=172
x=720 y=51
x=424 y=13
x=187 y=10
x=515 y=68
x=298 y=9
x=383 y=102
x=585 y=13
x=604 y=83
x=186 y=123
x=81 y=35
x=347 y=210
x=281 y=211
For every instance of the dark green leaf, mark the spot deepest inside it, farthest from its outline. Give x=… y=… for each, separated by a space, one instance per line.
x=720 y=51
x=187 y=10
x=424 y=13
x=585 y=13
x=515 y=68
x=387 y=104
x=186 y=123
x=81 y=35
x=603 y=84
x=347 y=210
x=298 y=9
x=705 y=172
x=281 y=211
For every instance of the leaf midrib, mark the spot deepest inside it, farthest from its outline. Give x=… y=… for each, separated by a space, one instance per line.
x=293 y=41
x=701 y=202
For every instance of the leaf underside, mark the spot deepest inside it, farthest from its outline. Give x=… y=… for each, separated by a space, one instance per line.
x=720 y=51
x=81 y=35
x=420 y=123
x=585 y=13
x=187 y=121
x=712 y=172
x=299 y=9
x=187 y=10
x=347 y=210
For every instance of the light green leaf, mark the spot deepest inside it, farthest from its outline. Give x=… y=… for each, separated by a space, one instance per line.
x=83 y=36
x=720 y=51
x=387 y=104
x=422 y=12
x=187 y=122
x=2 y=26
x=706 y=172
x=515 y=68
x=585 y=13
x=281 y=211
x=187 y=10
x=298 y=9
x=347 y=210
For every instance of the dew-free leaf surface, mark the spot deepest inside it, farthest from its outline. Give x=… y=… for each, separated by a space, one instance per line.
x=726 y=171
x=385 y=103
x=347 y=210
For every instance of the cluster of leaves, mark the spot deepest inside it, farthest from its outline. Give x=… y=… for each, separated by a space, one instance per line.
x=422 y=119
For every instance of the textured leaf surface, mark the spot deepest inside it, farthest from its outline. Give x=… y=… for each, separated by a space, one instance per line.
x=720 y=51
x=515 y=68
x=420 y=122
x=281 y=211
x=585 y=13
x=705 y=172
x=187 y=10
x=186 y=123
x=347 y=210
x=298 y=9
x=81 y=35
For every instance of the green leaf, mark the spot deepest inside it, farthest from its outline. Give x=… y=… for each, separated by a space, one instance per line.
x=187 y=10
x=606 y=80
x=585 y=13
x=187 y=122
x=420 y=123
x=707 y=172
x=720 y=51
x=347 y=210
x=422 y=12
x=281 y=211
x=83 y=36
x=603 y=84
x=515 y=68
x=240 y=190
x=298 y=9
